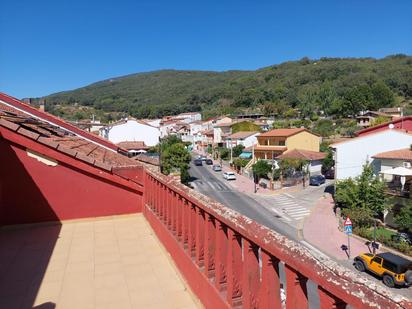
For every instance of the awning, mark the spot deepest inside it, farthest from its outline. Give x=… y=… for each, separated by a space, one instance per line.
x=399 y=171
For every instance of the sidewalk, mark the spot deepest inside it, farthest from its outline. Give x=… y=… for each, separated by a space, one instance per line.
x=321 y=230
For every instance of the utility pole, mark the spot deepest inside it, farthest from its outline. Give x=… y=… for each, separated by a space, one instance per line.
x=231 y=151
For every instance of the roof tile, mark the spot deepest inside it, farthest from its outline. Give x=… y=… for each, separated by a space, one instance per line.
x=67 y=151
x=84 y=157
x=47 y=141
x=27 y=133
x=399 y=154
x=302 y=154
x=10 y=125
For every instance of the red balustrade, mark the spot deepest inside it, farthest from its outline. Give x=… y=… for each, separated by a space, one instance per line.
x=232 y=261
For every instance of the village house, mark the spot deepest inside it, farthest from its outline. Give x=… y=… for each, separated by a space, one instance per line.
x=275 y=142
x=314 y=159
x=246 y=139
x=134 y=148
x=402 y=123
x=351 y=155
x=129 y=130
x=367 y=118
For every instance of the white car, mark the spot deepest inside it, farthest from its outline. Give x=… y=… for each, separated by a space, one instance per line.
x=229 y=176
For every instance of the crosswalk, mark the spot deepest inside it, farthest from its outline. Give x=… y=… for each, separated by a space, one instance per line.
x=285 y=207
x=290 y=207
x=201 y=185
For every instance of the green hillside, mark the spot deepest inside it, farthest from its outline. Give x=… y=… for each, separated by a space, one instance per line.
x=335 y=86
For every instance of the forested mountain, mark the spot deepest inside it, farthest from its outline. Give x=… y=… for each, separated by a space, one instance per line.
x=336 y=86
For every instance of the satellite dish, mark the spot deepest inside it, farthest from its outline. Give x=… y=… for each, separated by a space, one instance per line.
x=391 y=126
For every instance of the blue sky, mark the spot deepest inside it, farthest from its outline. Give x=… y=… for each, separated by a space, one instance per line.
x=51 y=46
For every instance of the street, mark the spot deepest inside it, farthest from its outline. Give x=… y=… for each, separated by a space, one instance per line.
x=212 y=184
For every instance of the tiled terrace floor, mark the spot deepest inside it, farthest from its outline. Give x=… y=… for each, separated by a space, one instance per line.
x=109 y=263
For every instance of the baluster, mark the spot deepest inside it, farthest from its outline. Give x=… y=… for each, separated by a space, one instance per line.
x=270 y=287
x=221 y=255
x=172 y=207
x=185 y=221
x=234 y=268
x=210 y=245
x=200 y=236
x=179 y=217
x=251 y=275
x=296 y=292
x=329 y=301
x=192 y=229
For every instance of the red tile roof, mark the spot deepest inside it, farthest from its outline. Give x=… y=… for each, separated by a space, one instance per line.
x=399 y=154
x=282 y=132
x=19 y=108
x=62 y=140
x=133 y=145
x=241 y=135
x=302 y=154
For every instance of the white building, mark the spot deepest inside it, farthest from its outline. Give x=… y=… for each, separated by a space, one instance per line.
x=189 y=117
x=351 y=155
x=129 y=130
x=247 y=139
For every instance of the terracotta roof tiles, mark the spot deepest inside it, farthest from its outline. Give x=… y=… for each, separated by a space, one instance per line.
x=399 y=154
x=241 y=135
x=303 y=154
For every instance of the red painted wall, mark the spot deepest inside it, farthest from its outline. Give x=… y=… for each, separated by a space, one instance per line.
x=31 y=191
x=406 y=124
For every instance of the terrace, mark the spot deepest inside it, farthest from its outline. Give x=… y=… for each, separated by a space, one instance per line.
x=52 y=175
x=111 y=262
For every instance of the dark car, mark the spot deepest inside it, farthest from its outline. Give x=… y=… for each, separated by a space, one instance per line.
x=209 y=161
x=198 y=162
x=402 y=237
x=329 y=174
x=316 y=180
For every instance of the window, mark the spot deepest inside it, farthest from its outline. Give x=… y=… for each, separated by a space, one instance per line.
x=389 y=266
x=377 y=259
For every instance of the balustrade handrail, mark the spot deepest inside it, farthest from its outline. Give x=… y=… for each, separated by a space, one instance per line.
x=342 y=283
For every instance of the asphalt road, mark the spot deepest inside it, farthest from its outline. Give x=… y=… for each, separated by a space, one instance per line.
x=212 y=184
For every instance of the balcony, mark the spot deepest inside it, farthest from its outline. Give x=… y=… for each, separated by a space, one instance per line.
x=113 y=262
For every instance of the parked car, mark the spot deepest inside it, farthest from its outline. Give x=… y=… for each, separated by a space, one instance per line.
x=203 y=158
x=229 y=176
x=329 y=174
x=209 y=161
x=402 y=237
x=217 y=168
x=316 y=180
x=198 y=162
x=393 y=269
